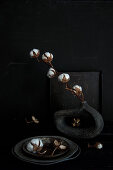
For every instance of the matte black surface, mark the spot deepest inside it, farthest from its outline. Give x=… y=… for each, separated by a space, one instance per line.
x=80 y=36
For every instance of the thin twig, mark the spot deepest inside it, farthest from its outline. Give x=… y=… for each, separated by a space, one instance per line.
x=50 y=64
x=54 y=151
x=41 y=153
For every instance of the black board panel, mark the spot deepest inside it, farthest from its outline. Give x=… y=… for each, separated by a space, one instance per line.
x=91 y=83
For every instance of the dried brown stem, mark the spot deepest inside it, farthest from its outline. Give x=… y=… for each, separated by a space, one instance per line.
x=80 y=96
x=70 y=89
x=41 y=153
x=54 y=151
x=50 y=64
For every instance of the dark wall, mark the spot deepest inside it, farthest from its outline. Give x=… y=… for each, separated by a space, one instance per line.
x=79 y=34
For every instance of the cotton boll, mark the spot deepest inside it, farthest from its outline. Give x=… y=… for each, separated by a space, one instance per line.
x=34 y=53
x=37 y=142
x=64 y=78
x=51 y=73
x=97 y=145
x=47 y=57
x=77 y=87
x=100 y=146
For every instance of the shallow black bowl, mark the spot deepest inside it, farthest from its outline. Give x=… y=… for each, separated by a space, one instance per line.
x=48 y=143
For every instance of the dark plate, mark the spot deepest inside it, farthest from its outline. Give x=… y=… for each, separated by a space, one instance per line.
x=22 y=155
x=49 y=146
x=74 y=156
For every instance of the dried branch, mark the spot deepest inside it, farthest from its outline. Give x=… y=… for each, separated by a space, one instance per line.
x=47 y=59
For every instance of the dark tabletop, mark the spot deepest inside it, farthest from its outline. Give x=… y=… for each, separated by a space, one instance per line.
x=88 y=159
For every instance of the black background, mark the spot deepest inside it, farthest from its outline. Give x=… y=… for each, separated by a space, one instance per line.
x=80 y=36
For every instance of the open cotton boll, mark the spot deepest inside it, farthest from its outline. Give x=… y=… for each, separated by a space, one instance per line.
x=51 y=73
x=37 y=142
x=100 y=146
x=64 y=77
x=47 y=57
x=48 y=54
x=77 y=87
x=35 y=53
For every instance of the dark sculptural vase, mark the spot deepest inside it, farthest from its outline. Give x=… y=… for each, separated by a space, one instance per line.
x=91 y=122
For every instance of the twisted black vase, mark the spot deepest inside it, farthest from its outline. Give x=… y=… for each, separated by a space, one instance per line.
x=91 y=122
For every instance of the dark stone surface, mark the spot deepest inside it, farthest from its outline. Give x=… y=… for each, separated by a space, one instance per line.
x=91 y=122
